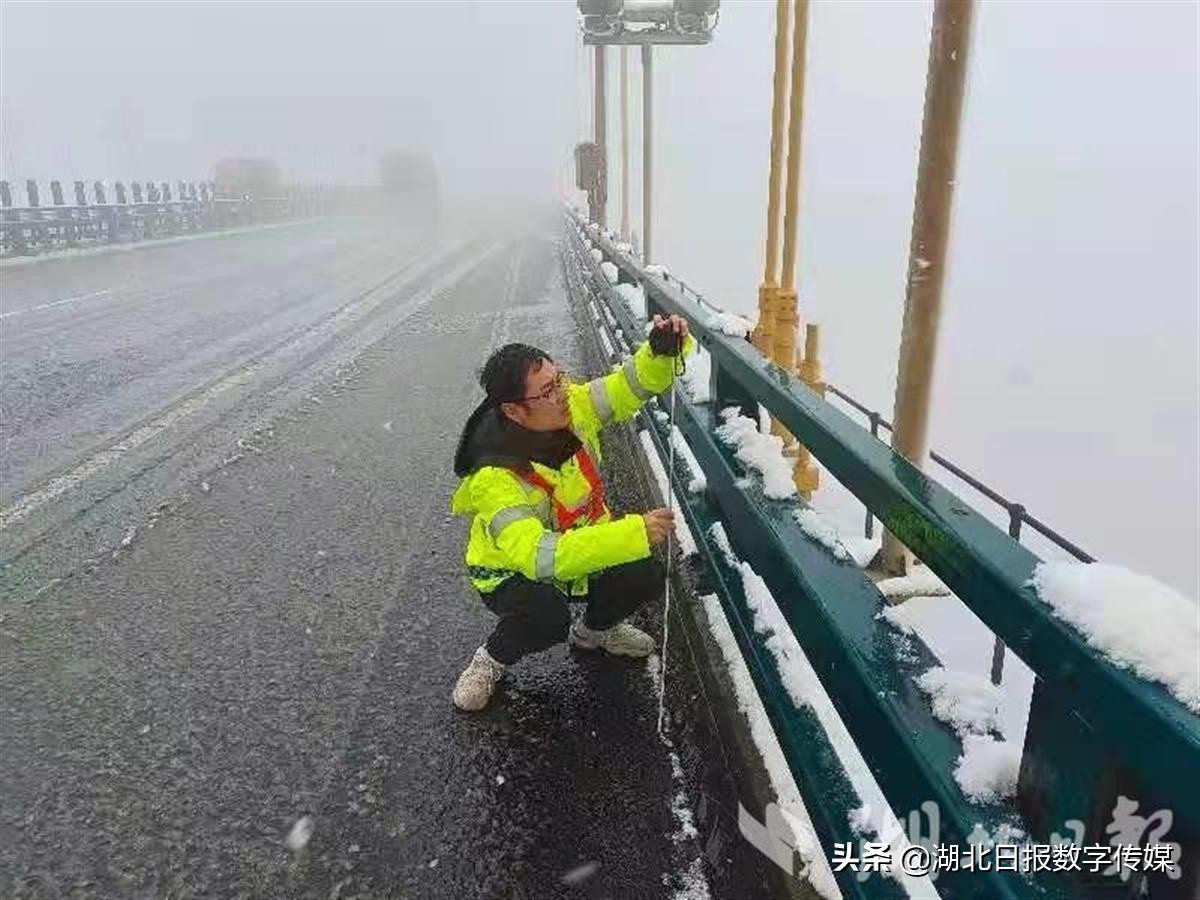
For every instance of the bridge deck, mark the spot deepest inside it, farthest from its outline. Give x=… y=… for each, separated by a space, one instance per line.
x=202 y=642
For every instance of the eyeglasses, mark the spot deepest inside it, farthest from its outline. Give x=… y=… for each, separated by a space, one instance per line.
x=557 y=387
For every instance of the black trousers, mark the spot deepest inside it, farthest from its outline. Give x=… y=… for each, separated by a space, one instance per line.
x=534 y=614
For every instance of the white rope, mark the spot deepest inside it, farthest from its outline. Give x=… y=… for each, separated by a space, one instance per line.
x=662 y=671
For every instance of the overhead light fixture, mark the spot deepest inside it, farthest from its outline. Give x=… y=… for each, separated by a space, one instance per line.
x=648 y=21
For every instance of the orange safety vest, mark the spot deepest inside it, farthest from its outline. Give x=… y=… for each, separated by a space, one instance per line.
x=592 y=509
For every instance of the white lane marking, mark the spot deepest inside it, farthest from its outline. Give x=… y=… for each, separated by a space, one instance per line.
x=109 y=455
x=76 y=299
x=106 y=457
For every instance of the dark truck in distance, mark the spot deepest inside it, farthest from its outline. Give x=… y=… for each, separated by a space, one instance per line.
x=410 y=189
x=248 y=190
x=248 y=179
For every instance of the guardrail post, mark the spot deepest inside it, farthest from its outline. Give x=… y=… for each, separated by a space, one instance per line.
x=869 y=529
x=1016 y=516
x=62 y=230
x=107 y=223
x=14 y=234
x=36 y=232
x=82 y=224
x=806 y=475
x=1069 y=772
x=726 y=392
x=150 y=217
x=809 y=369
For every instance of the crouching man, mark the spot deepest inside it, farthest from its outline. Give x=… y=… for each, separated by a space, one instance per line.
x=541 y=533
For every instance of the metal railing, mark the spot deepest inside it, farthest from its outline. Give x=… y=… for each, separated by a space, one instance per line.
x=117 y=212
x=1095 y=729
x=1017 y=513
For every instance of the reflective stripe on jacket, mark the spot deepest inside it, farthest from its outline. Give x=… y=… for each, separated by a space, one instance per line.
x=514 y=526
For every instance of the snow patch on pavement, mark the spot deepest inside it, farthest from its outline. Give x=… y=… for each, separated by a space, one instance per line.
x=580 y=874
x=302 y=831
x=680 y=807
x=693 y=882
x=694 y=885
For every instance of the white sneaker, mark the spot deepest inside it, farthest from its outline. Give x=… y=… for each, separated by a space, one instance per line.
x=477 y=682
x=622 y=639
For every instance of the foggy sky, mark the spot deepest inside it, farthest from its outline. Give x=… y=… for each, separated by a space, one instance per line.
x=1068 y=372
x=163 y=90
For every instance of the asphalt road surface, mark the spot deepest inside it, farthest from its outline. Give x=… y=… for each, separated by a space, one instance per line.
x=233 y=598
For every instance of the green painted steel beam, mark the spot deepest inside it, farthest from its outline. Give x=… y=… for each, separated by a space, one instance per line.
x=832 y=608
x=981 y=564
x=829 y=795
x=866 y=669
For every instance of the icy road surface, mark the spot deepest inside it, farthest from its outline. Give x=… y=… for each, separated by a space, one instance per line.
x=233 y=607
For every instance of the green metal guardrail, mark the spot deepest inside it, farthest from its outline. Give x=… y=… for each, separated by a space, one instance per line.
x=1095 y=730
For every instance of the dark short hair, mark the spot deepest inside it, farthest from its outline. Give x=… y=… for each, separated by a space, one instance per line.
x=503 y=375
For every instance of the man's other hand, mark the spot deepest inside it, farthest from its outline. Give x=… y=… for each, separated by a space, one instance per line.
x=659 y=524
x=667 y=335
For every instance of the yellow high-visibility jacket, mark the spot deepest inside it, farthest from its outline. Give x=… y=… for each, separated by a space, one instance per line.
x=514 y=526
